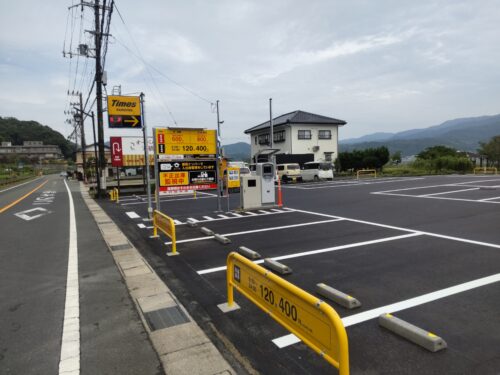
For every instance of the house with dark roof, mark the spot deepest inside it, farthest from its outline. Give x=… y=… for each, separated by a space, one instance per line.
x=298 y=132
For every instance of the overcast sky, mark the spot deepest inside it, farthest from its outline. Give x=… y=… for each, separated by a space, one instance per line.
x=386 y=65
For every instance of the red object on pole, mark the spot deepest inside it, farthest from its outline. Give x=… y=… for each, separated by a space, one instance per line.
x=280 y=202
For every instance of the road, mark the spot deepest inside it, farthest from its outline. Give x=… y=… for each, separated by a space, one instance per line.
x=45 y=230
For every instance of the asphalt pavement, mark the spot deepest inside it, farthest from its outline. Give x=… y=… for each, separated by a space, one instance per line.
x=35 y=234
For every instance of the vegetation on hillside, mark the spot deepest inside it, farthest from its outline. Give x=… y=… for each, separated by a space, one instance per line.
x=17 y=131
x=491 y=150
x=369 y=158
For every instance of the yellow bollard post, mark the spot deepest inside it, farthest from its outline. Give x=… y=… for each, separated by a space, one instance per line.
x=117 y=196
x=195 y=194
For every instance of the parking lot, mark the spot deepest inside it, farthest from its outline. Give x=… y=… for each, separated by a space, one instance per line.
x=423 y=248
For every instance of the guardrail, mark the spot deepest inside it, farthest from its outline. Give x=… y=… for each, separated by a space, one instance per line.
x=165 y=224
x=486 y=170
x=365 y=172
x=315 y=322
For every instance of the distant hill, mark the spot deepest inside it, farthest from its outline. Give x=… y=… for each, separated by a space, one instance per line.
x=17 y=131
x=463 y=134
x=237 y=151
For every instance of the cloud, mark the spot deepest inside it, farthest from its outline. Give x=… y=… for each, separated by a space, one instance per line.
x=288 y=62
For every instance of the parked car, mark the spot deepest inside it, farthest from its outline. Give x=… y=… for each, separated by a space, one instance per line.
x=316 y=171
x=289 y=172
x=63 y=174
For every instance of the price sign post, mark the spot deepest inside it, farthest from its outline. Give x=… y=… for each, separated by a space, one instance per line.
x=185 y=160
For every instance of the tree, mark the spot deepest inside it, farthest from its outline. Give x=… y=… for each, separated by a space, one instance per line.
x=435 y=152
x=396 y=157
x=491 y=150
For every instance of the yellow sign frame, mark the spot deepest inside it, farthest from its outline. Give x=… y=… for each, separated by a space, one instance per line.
x=185 y=141
x=167 y=225
x=315 y=322
x=124 y=105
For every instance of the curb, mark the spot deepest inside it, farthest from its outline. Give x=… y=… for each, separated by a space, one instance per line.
x=182 y=346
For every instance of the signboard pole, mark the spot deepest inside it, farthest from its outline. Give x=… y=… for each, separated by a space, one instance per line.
x=157 y=179
x=146 y=157
x=218 y=157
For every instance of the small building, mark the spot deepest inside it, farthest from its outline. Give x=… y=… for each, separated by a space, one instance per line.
x=90 y=152
x=36 y=151
x=298 y=133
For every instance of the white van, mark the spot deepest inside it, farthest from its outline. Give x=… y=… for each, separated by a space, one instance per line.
x=316 y=171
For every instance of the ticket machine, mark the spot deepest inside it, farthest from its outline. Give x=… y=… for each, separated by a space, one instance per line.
x=250 y=192
x=267 y=173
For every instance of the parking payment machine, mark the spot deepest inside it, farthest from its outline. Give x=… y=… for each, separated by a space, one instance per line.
x=266 y=172
x=250 y=192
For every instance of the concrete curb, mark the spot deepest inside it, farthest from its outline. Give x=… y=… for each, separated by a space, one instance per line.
x=182 y=346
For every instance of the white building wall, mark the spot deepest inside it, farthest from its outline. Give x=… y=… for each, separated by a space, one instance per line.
x=294 y=145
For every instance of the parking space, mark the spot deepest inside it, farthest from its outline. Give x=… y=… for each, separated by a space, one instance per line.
x=481 y=190
x=445 y=283
x=348 y=182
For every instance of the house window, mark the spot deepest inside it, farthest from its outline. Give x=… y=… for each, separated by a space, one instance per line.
x=264 y=139
x=325 y=134
x=304 y=134
x=279 y=136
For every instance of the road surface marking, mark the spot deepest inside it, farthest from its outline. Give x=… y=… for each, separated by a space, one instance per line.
x=23 y=197
x=320 y=251
x=351 y=320
x=40 y=212
x=446 y=192
x=70 y=343
x=256 y=231
x=24 y=183
x=141 y=225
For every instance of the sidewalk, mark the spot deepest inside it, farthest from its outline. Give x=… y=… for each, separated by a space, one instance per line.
x=181 y=346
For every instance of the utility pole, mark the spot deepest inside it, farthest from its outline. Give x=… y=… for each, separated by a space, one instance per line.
x=82 y=134
x=98 y=81
x=271 y=123
x=219 y=162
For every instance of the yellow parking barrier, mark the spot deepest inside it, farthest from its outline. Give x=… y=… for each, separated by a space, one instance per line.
x=117 y=195
x=485 y=170
x=167 y=225
x=315 y=322
x=112 y=195
x=365 y=172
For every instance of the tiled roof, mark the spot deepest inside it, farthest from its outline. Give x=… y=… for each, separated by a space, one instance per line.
x=298 y=117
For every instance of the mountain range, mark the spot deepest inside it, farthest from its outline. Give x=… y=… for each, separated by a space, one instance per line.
x=463 y=134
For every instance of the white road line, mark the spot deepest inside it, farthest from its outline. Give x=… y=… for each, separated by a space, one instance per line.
x=24 y=183
x=291 y=339
x=340 y=185
x=167 y=200
x=192 y=219
x=431 y=234
x=142 y=226
x=257 y=231
x=235 y=214
x=320 y=251
x=489 y=199
x=177 y=222
x=132 y=215
x=205 y=193
x=445 y=192
x=238 y=216
x=223 y=216
x=69 y=362
x=208 y=218
x=250 y=213
x=442 y=198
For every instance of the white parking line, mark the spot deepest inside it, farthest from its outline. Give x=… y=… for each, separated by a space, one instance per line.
x=168 y=200
x=431 y=234
x=69 y=361
x=339 y=184
x=257 y=231
x=223 y=216
x=320 y=251
x=237 y=216
x=489 y=199
x=446 y=192
x=208 y=218
x=142 y=226
x=291 y=339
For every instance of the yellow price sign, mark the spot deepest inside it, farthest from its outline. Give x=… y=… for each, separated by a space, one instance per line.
x=308 y=317
x=174 y=178
x=186 y=141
